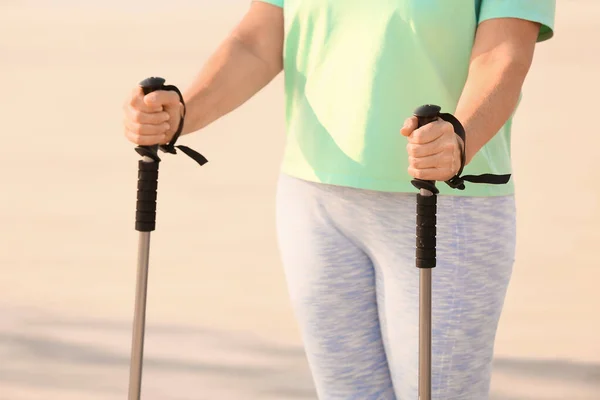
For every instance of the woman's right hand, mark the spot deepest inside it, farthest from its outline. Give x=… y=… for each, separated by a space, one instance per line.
x=153 y=118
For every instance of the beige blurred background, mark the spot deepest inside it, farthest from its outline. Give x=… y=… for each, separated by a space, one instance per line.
x=219 y=322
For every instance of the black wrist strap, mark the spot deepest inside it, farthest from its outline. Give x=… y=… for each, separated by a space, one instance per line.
x=457 y=181
x=170 y=147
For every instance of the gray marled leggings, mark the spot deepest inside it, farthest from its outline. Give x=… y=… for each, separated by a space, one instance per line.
x=349 y=261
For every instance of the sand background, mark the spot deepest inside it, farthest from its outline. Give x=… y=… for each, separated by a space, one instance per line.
x=219 y=322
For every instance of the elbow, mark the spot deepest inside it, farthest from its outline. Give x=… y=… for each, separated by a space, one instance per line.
x=506 y=62
x=262 y=35
x=504 y=45
x=268 y=49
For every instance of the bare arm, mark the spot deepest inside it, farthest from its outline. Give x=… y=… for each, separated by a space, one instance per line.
x=247 y=60
x=500 y=60
x=244 y=63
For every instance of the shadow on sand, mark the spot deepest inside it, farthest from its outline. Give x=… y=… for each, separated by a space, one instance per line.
x=93 y=357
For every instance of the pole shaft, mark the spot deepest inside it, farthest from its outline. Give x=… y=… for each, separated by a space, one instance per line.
x=139 y=317
x=425 y=335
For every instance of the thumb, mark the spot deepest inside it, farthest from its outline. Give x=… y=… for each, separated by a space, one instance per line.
x=410 y=125
x=162 y=100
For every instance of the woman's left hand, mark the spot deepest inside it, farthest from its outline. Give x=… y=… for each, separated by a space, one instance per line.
x=434 y=150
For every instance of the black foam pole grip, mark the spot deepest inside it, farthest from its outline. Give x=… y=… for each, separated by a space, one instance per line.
x=426 y=231
x=145 y=211
x=145 y=214
x=426 y=202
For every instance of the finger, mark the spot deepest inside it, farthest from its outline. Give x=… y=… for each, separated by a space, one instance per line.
x=410 y=124
x=142 y=117
x=162 y=98
x=430 y=132
x=146 y=129
x=144 y=140
x=136 y=101
x=430 y=174
x=167 y=138
x=440 y=160
x=175 y=113
x=425 y=150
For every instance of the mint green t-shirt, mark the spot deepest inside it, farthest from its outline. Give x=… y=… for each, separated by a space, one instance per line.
x=356 y=69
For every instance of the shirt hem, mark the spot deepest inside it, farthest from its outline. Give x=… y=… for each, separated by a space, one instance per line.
x=368 y=183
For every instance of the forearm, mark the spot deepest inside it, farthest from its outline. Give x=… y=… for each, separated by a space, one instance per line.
x=232 y=75
x=489 y=97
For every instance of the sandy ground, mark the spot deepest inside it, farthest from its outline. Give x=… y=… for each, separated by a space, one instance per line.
x=219 y=322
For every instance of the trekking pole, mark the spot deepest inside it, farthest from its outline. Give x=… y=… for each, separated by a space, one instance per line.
x=145 y=222
x=425 y=258
x=426 y=235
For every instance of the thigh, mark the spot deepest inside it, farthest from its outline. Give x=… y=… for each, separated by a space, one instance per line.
x=331 y=285
x=475 y=254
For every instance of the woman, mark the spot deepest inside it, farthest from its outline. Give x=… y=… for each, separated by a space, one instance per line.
x=354 y=73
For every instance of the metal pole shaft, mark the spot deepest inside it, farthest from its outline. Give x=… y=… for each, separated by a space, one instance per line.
x=139 y=317
x=425 y=335
x=425 y=328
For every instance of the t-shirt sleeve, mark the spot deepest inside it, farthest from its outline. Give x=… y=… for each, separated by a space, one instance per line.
x=541 y=11
x=278 y=3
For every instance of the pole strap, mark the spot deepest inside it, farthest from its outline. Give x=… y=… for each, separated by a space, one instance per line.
x=457 y=181
x=171 y=147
